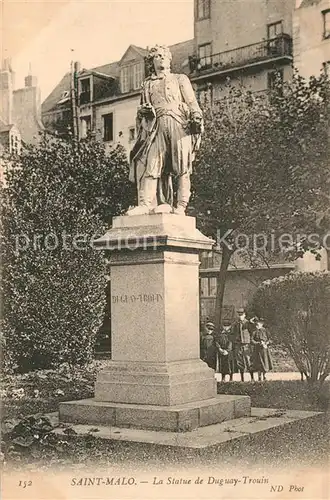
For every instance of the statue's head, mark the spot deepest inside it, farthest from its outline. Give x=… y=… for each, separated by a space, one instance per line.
x=159 y=58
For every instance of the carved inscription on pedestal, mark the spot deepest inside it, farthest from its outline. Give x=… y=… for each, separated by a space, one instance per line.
x=149 y=298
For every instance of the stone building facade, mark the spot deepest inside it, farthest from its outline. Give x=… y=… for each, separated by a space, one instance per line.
x=311 y=37
x=225 y=46
x=244 y=41
x=20 y=110
x=243 y=279
x=107 y=97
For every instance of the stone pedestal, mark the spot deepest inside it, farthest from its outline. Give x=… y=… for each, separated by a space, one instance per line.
x=155 y=327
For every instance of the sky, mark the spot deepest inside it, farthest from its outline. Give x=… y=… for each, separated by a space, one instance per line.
x=49 y=34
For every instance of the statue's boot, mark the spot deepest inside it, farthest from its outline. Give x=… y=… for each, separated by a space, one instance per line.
x=139 y=210
x=164 y=208
x=183 y=194
x=147 y=197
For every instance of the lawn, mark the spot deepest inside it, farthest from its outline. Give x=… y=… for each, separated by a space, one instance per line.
x=288 y=394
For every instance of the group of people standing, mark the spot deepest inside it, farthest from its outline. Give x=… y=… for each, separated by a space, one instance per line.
x=238 y=348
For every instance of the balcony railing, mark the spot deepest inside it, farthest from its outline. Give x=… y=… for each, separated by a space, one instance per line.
x=280 y=46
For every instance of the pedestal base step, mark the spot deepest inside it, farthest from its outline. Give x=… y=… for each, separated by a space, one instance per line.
x=263 y=425
x=180 y=418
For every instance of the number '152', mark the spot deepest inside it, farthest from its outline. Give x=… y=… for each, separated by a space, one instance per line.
x=24 y=484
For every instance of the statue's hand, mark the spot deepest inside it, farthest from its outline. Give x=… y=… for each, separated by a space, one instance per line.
x=196 y=117
x=196 y=122
x=146 y=110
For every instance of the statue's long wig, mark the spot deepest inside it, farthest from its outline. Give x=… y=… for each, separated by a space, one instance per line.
x=149 y=60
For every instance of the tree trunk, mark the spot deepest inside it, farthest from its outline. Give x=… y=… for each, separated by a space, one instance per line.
x=221 y=283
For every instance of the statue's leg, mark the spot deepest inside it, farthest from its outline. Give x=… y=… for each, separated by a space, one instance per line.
x=147 y=192
x=181 y=156
x=183 y=194
x=148 y=174
x=139 y=185
x=161 y=160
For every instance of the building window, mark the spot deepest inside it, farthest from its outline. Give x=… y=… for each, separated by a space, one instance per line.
x=326 y=23
x=204 y=54
x=108 y=127
x=124 y=79
x=138 y=75
x=275 y=80
x=85 y=91
x=65 y=96
x=15 y=144
x=326 y=68
x=204 y=287
x=203 y=9
x=86 y=126
x=274 y=30
x=131 y=77
x=212 y=287
x=274 y=44
x=208 y=287
x=131 y=134
x=207 y=259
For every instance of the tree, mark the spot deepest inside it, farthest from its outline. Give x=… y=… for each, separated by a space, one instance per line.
x=58 y=196
x=263 y=171
x=296 y=308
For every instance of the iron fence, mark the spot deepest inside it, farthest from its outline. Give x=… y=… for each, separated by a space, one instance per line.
x=267 y=49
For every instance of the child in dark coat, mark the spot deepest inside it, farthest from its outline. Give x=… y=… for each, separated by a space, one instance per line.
x=208 y=347
x=225 y=354
x=261 y=358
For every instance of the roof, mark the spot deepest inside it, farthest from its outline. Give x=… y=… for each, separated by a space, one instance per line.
x=55 y=95
x=269 y=267
x=5 y=128
x=180 y=53
x=111 y=69
x=140 y=50
x=2 y=122
x=96 y=73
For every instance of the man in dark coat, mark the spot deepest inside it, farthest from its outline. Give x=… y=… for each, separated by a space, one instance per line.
x=208 y=348
x=261 y=359
x=241 y=341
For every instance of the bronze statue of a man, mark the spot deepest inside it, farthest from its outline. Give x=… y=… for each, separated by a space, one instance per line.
x=170 y=124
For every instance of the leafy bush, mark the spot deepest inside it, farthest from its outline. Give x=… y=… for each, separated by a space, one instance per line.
x=58 y=196
x=296 y=309
x=33 y=437
x=41 y=391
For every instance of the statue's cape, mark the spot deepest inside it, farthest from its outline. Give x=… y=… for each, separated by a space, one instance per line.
x=147 y=129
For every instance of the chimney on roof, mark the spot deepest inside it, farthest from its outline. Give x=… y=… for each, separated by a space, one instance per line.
x=77 y=67
x=30 y=80
x=6 y=64
x=7 y=85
